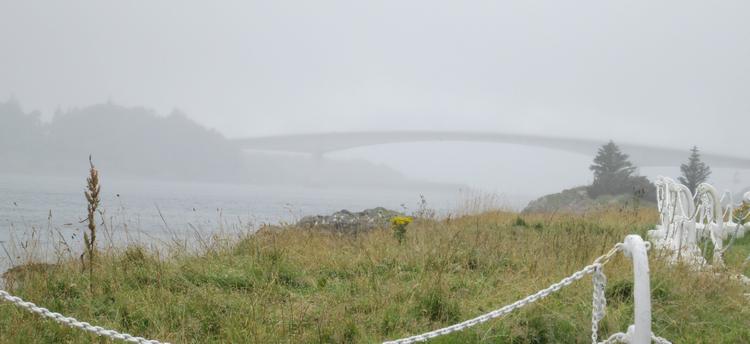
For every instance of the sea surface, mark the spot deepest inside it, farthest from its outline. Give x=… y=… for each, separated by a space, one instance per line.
x=44 y=215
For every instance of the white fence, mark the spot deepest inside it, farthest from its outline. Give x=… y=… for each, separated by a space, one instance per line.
x=686 y=219
x=638 y=333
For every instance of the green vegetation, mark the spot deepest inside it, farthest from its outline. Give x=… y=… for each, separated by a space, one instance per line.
x=738 y=255
x=290 y=285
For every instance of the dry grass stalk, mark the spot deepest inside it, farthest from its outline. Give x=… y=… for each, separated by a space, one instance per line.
x=92 y=197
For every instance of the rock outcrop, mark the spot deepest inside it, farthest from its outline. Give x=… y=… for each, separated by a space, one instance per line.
x=347 y=221
x=577 y=200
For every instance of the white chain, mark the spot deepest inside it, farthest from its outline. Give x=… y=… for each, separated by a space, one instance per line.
x=659 y=340
x=623 y=338
x=616 y=338
x=97 y=330
x=599 y=304
x=599 y=309
x=513 y=306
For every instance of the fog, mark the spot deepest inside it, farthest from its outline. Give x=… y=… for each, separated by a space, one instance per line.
x=195 y=74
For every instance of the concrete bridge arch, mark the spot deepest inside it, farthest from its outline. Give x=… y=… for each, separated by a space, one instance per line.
x=318 y=144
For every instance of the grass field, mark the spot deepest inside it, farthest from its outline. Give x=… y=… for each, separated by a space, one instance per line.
x=289 y=285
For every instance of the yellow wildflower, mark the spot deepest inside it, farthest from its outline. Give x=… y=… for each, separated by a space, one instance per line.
x=398 y=224
x=401 y=220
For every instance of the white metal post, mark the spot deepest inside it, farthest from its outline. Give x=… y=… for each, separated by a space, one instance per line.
x=635 y=248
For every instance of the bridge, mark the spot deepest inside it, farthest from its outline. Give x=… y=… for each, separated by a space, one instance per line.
x=318 y=144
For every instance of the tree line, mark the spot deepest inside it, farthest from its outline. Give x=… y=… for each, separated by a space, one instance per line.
x=615 y=174
x=128 y=141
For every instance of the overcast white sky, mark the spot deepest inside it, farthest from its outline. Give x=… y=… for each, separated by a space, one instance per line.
x=628 y=70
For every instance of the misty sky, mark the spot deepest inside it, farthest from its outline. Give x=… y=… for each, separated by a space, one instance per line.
x=628 y=70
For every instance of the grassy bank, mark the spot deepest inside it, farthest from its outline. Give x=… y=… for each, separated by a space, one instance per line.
x=301 y=286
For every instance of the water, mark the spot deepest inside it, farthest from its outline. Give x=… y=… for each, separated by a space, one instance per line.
x=49 y=210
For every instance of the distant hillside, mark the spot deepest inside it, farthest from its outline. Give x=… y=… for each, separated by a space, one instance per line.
x=136 y=142
x=126 y=141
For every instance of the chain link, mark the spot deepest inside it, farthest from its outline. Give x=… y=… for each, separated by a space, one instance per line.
x=599 y=303
x=623 y=338
x=616 y=338
x=604 y=259
x=72 y=322
x=659 y=340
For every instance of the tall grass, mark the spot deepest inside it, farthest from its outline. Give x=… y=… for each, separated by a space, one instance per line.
x=291 y=285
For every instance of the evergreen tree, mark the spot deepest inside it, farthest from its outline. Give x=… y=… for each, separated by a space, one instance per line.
x=694 y=171
x=613 y=173
x=610 y=162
